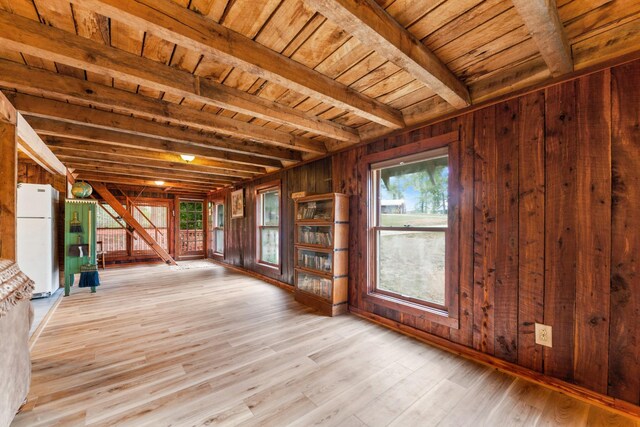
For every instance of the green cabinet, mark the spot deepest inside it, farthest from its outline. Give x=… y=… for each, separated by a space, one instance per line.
x=79 y=238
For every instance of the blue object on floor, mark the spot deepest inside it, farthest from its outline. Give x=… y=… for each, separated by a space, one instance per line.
x=89 y=279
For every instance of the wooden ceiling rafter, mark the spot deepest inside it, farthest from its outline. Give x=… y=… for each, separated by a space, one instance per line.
x=145 y=130
x=57 y=143
x=103 y=128
x=187 y=28
x=70 y=155
x=144 y=174
x=79 y=164
x=28 y=36
x=546 y=29
x=375 y=28
x=53 y=85
x=148 y=182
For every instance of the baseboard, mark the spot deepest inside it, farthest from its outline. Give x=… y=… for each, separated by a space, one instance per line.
x=287 y=287
x=581 y=393
x=45 y=320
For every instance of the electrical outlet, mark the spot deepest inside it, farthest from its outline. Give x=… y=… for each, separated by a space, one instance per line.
x=543 y=335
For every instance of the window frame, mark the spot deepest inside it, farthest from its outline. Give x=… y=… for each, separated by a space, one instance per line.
x=179 y=229
x=213 y=227
x=447 y=314
x=259 y=191
x=217 y=206
x=376 y=212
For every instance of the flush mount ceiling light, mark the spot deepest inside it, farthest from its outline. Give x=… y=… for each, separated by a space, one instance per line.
x=159 y=182
x=187 y=157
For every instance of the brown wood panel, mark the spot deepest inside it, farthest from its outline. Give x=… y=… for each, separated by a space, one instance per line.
x=8 y=171
x=560 y=228
x=240 y=248
x=624 y=343
x=593 y=223
x=531 y=187
x=484 y=261
x=506 y=262
x=464 y=335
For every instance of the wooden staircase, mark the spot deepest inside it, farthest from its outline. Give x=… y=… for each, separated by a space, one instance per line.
x=111 y=200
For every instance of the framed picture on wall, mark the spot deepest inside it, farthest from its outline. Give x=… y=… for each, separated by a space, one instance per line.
x=237 y=204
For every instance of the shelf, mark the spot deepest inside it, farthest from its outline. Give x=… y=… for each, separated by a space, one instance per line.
x=324 y=274
x=321 y=255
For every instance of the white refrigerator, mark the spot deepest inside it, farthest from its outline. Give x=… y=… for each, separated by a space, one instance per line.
x=36 y=236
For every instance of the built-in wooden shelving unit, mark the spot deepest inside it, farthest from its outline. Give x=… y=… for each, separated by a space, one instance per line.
x=322 y=252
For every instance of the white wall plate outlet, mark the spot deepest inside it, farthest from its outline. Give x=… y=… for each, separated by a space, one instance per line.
x=544 y=335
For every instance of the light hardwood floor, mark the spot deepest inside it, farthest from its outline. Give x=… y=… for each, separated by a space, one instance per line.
x=206 y=346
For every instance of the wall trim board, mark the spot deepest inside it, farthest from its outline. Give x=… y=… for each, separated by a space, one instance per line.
x=619 y=406
x=287 y=287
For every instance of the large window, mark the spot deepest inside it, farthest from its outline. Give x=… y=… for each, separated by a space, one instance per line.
x=191 y=228
x=154 y=219
x=111 y=231
x=216 y=228
x=268 y=225
x=410 y=226
x=120 y=244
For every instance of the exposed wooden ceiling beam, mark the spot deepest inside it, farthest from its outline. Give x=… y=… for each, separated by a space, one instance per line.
x=376 y=29
x=187 y=28
x=78 y=163
x=143 y=173
x=71 y=154
x=170 y=141
x=544 y=24
x=97 y=148
x=46 y=83
x=122 y=179
x=122 y=139
x=103 y=124
x=29 y=143
x=28 y=36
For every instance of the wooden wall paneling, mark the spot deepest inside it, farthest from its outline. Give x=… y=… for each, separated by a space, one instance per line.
x=531 y=214
x=506 y=276
x=8 y=181
x=454 y=198
x=484 y=262
x=240 y=249
x=593 y=223
x=464 y=335
x=560 y=228
x=624 y=342
x=345 y=180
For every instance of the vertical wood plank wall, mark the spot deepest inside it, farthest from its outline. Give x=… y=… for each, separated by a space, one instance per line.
x=240 y=233
x=550 y=229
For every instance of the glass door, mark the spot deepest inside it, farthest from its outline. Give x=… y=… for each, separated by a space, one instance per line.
x=191 y=235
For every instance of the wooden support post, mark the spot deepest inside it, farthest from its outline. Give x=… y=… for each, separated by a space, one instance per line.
x=8 y=179
x=102 y=190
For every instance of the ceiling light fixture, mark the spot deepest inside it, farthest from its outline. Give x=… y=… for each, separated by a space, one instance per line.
x=187 y=157
x=159 y=182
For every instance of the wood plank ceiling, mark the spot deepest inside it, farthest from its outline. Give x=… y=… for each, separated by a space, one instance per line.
x=251 y=86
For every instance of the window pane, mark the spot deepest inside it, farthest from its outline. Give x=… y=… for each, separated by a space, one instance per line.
x=414 y=194
x=219 y=241
x=220 y=223
x=158 y=216
x=112 y=235
x=412 y=263
x=270 y=208
x=269 y=238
